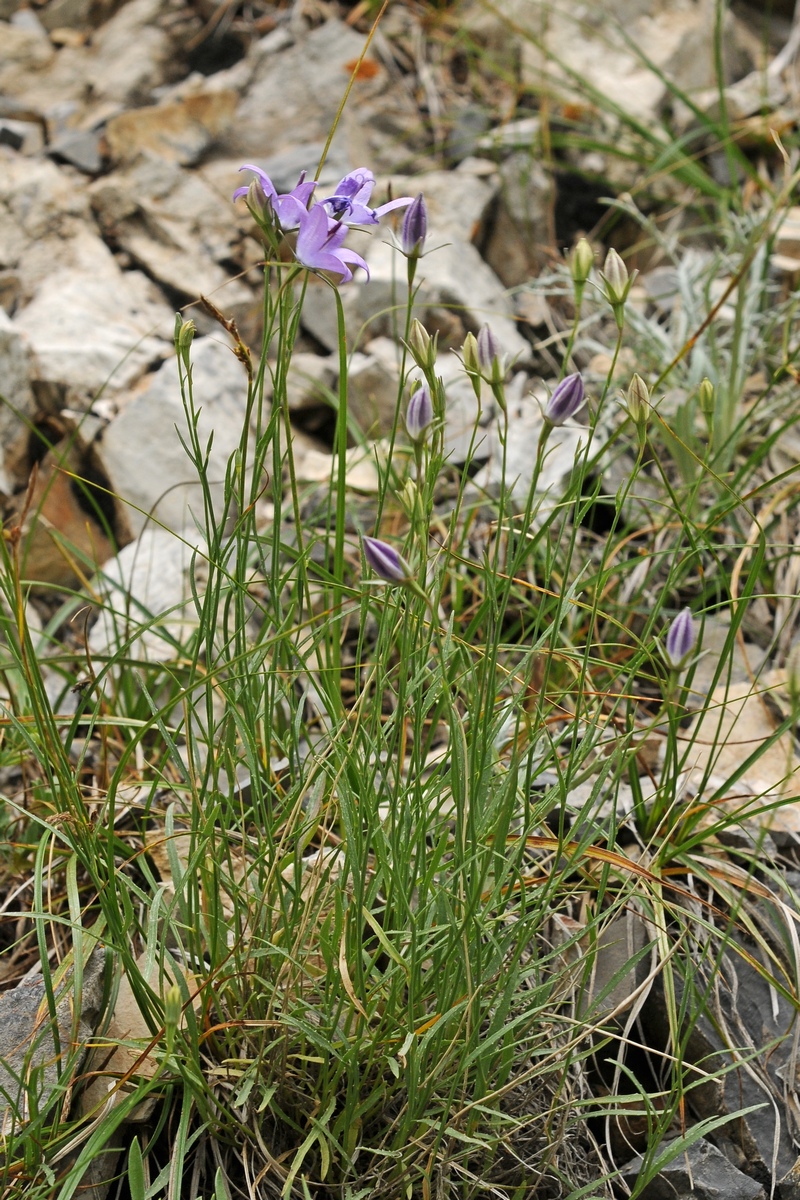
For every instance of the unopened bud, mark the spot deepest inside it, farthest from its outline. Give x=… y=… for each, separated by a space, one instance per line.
x=616 y=276
x=566 y=400
x=184 y=336
x=581 y=262
x=637 y=400
x=385 y=561
x=470 y=355
x=419 y=413
x=680 y=639
x=472 y=363
x=706 y=397
x=793 y=676
x=422 y=346
x=415 y=228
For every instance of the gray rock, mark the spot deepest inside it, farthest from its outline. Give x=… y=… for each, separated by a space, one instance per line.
x=28 y=1056
x=40 y=198
x=294 y=95
x=700 y=1171
x=129 y=54
x=82 y=148
x=180 y=132
x=176 y=227
x=521 y=220
x=525 y=420
x=25 y=136
x=17 y=404
x=613 y=978
x=373 y=381
x=743 y=1016
x=141 y=451
x=310 y=377
x=92 y=327
x=458 y=292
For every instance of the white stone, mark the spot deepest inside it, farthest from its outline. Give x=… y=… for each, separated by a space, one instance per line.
x=141 y=450
x=93 y=326
x=150 y=578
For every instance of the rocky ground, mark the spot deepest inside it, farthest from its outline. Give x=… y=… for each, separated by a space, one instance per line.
x=122 y=130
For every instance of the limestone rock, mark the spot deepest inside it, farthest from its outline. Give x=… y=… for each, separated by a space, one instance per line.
x=27 y=1045
x=180 y=132
x=175 y=226
x=147 y=592
x=93 y=327
x=294 y=96
x=141 y=451
x=129 y=54
x=17 y=404
x=700 y=1171
x=39 y=198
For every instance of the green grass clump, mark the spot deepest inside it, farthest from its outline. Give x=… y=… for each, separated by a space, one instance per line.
x=357 y=849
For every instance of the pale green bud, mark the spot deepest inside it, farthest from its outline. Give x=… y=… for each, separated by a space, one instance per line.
x=470 y=355
x=581 y=262
x=793 y=676
x=172 y=1007
x=637 y=400
x=618 y=284
x=184 y=336
x=617 y=279
x=422 y=346
x=706 y=397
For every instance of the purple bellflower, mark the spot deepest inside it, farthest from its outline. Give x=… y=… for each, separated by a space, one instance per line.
x=681 y=638
x=385 y=561
x=565 y=401
x=419 y=414
x=319 y=245
x=350 y=201
x=288 y=207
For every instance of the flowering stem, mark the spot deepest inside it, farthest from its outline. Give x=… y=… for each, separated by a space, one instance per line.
x=341 y=507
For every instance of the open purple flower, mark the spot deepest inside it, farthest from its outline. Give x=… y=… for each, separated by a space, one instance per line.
x=565 y=401
x=385 y=561
x=319 y=245
x=286 y=208
x=350 y=201
x=681 y=638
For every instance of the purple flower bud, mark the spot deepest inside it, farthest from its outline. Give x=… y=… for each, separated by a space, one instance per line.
x=681 y=637
x=415 y=228
x=385 y=561
x=419 y=413
x=565 y=401
x=489 y=350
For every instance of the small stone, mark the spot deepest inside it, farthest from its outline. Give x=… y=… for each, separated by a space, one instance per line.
x=91 y=326
x=25 y=136
x=81 y=148
x=150 y=578
x=27 y=1045
x=700 y=1171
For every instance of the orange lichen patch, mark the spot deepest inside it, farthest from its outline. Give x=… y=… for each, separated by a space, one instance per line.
x=366 y=69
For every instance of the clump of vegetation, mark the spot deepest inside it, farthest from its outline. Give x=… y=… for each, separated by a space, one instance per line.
x=358 y=841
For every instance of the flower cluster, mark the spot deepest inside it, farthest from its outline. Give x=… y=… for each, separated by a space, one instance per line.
x=322 y=228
